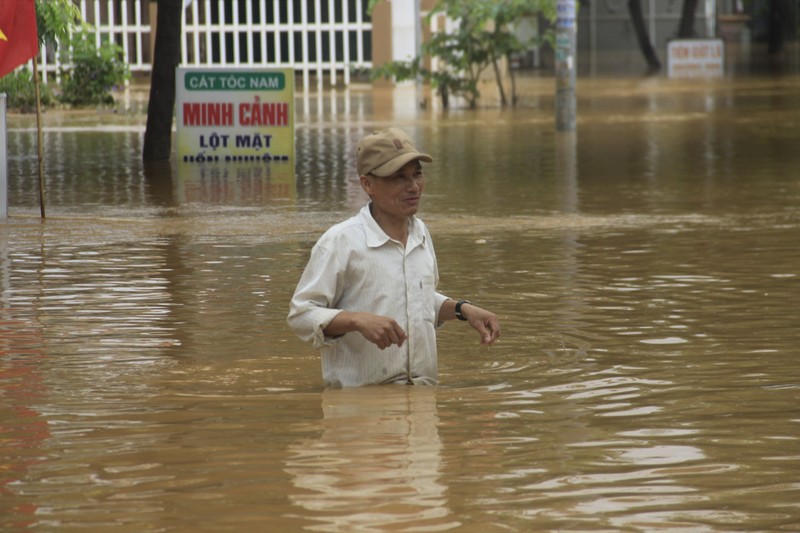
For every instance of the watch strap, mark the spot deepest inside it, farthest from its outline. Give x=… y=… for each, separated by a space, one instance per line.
x=459 y=314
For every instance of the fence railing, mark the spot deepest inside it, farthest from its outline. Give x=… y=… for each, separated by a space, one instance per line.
x=313 y=36
x=318 y=38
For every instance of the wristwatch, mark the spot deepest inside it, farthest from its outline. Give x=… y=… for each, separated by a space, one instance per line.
x=459 y=314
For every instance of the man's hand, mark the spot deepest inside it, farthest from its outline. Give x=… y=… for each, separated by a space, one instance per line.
x=485 y=322
x=381 y=331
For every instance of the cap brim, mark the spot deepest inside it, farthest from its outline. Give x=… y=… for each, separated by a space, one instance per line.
x=390 y=167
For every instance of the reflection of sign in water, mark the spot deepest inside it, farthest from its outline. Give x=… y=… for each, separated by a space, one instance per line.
x=696 y=58
x=226 y=115
x=235 y=183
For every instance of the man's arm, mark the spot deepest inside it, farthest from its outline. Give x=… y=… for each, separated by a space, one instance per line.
x=485 y=322
x=310 y=310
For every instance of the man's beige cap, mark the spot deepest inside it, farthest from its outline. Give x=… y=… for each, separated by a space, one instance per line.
x=385 y=152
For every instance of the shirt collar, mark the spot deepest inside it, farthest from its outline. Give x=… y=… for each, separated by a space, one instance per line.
x=377 y=237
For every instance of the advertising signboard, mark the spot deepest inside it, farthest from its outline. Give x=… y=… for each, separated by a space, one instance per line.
x=235 y=130
x=696 y=58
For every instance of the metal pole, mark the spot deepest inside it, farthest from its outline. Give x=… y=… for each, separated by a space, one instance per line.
x=565 y=65
x=418 y=48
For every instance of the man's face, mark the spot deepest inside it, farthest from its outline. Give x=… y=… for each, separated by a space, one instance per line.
x=398 y=195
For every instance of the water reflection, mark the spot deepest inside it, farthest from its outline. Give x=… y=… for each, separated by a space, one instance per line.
x=160 y=182
x=76 y=182
x=376 y=464
x=23 y=429
x=234 y=184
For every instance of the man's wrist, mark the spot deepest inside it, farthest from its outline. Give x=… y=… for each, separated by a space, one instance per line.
x=459 y=311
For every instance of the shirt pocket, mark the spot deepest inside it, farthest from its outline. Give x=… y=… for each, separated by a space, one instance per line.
x=424 y=267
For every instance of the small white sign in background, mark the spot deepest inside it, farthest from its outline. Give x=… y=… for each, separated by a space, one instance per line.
x=696 y=58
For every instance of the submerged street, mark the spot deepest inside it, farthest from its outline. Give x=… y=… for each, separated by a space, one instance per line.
x=646 y=270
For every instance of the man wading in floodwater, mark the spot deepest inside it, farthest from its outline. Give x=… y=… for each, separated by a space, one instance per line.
x=368 y=296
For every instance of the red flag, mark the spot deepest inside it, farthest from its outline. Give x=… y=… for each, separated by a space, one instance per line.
x=19 y=38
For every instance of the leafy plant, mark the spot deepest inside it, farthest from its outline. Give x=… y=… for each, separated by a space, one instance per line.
x=57 y=20
x=18 y=86
x=502 y=43
x=483 y=37
x=94 y=73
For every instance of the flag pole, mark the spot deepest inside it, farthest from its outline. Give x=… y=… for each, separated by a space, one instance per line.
x=40 y=136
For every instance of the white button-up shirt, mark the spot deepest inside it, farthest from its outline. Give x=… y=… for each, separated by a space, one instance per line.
x=356 y=267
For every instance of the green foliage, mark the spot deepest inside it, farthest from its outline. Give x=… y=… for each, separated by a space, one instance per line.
x=57 y=20
x=95 y=71
x=483 y=37
x=18 y=86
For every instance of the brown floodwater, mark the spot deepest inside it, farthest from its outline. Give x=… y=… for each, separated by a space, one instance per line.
x=646 y=270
